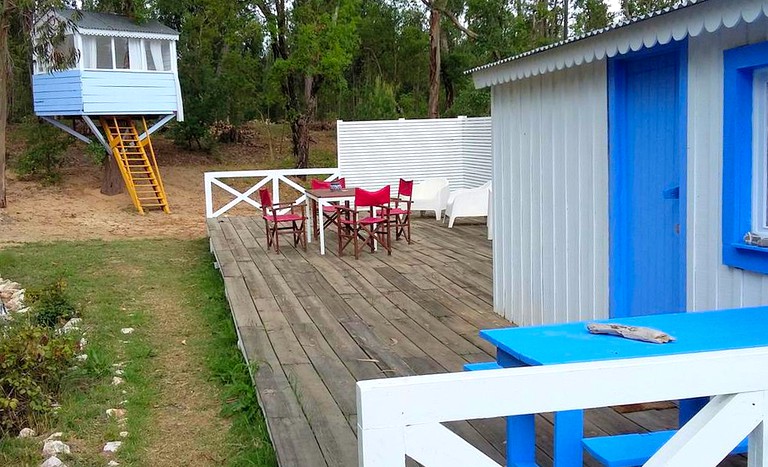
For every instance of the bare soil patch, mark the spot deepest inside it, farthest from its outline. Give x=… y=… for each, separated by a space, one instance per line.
x=76 y=210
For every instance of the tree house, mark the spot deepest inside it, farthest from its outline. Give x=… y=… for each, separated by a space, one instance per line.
x=125 y=75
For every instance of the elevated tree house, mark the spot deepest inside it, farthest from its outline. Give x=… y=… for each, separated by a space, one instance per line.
x=125 y=75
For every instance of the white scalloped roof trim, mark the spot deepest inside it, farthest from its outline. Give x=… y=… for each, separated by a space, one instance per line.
x=129 y=34
x=688 y=20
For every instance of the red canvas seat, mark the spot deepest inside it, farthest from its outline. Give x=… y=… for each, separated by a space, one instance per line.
x=278 y=221
x=370 y=226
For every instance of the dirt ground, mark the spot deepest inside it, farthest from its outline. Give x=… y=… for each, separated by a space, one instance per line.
x=76 y=210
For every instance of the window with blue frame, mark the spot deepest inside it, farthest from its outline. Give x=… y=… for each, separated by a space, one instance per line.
x=745 y=158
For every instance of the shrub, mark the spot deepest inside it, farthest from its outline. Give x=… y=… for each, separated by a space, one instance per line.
x=50 y=304
x=33 y=360
x=44 y=155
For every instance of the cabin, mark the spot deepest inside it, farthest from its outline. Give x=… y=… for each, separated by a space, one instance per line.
x=125 y=75
x=630 y=168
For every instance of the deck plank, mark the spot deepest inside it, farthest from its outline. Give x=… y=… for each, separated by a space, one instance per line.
x=312 y=325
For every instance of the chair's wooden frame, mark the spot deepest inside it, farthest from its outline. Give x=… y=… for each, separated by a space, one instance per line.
x=296 y=227
x=350 y=229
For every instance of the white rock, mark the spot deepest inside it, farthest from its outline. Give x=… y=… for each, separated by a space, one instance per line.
x=112 y=446
x=56 y=435
x=116 y=381
x=27 y=433
x=55 y=446
x=83 y=342
x=53 y=462
x=127 y=330
x=123 y=434
x=82 y=357
x=119 y=372
x=117 y=413
x=72 y=325
x=113 y=463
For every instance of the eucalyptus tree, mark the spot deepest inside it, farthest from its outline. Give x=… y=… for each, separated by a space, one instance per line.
x=21 y=15
x=311 y=45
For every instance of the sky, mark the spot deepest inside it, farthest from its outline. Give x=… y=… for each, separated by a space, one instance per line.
x=614 y=5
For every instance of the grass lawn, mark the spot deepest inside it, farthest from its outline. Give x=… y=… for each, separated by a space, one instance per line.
x=187 y=394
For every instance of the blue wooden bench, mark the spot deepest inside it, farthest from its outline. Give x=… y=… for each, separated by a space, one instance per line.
x=633 y=449
x=482 y=366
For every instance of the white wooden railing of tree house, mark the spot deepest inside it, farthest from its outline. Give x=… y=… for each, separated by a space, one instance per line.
x=263 y=177
x=401 y=417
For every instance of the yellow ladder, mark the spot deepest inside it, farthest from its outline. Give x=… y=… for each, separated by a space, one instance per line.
x=136 y=159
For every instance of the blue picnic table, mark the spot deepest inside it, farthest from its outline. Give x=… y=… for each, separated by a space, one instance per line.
x=572 y=343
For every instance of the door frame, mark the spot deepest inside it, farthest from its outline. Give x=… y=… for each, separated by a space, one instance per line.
x=619 y=260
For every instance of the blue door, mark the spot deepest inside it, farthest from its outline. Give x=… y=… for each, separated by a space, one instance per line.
x=647 y=177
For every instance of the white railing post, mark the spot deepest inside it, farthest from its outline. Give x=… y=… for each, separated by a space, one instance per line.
x=379 y=443
x=757 y=455
x=275 y=190
x=208 y=196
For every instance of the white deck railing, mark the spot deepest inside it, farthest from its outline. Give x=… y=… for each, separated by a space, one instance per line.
x=263 y=177
x=401 y=417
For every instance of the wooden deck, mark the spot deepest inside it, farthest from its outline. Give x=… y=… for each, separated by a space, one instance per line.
x=314 y=325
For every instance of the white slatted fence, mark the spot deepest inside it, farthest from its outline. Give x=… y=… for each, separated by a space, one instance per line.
x=372 y=154
x=399 y=417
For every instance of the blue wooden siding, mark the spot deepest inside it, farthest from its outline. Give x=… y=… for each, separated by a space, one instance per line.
x=58 y=93
x=108 y=92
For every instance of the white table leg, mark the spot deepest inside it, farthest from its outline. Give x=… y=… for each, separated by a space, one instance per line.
x=320 y=205
x=310 y=220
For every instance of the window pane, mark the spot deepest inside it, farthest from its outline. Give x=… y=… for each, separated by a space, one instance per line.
x=122 y=59
x=64 y=49
x=166 y=56
x=148 y=54
x=104 y=53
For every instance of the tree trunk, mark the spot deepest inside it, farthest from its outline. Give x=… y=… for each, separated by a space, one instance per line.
x=300 y=136
x=434 y=63
x=5 y=73
x=112 y=180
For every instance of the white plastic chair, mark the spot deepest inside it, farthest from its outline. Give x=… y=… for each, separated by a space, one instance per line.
x=468 y=202
x=431 y=195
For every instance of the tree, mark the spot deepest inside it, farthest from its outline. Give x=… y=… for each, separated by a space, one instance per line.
x=438 y=8
x=48 y=35
x=312 y=44
x=634 y=8
x=591 y=15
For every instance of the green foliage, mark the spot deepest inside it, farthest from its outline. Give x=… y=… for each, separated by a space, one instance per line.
x=591 y=15
x=33 y=360
x=379 y=103
x=96 y=152
x=50 y=304
x=44 y=156
x=634 y=8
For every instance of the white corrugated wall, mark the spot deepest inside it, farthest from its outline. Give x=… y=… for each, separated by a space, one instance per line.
x=550 y=180
x=712 y=285
x=372 y=154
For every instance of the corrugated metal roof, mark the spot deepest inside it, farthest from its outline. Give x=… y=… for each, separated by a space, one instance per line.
x=660 y=27
x=111 y=22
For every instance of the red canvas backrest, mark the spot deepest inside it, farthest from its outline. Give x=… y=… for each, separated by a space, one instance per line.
x=342 y=182
x=365 y=198
x=266 y=198
x=319 y=184
x=405 y=188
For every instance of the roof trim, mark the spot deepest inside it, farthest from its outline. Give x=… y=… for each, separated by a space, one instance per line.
x=658 y=28
x=129 y=34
